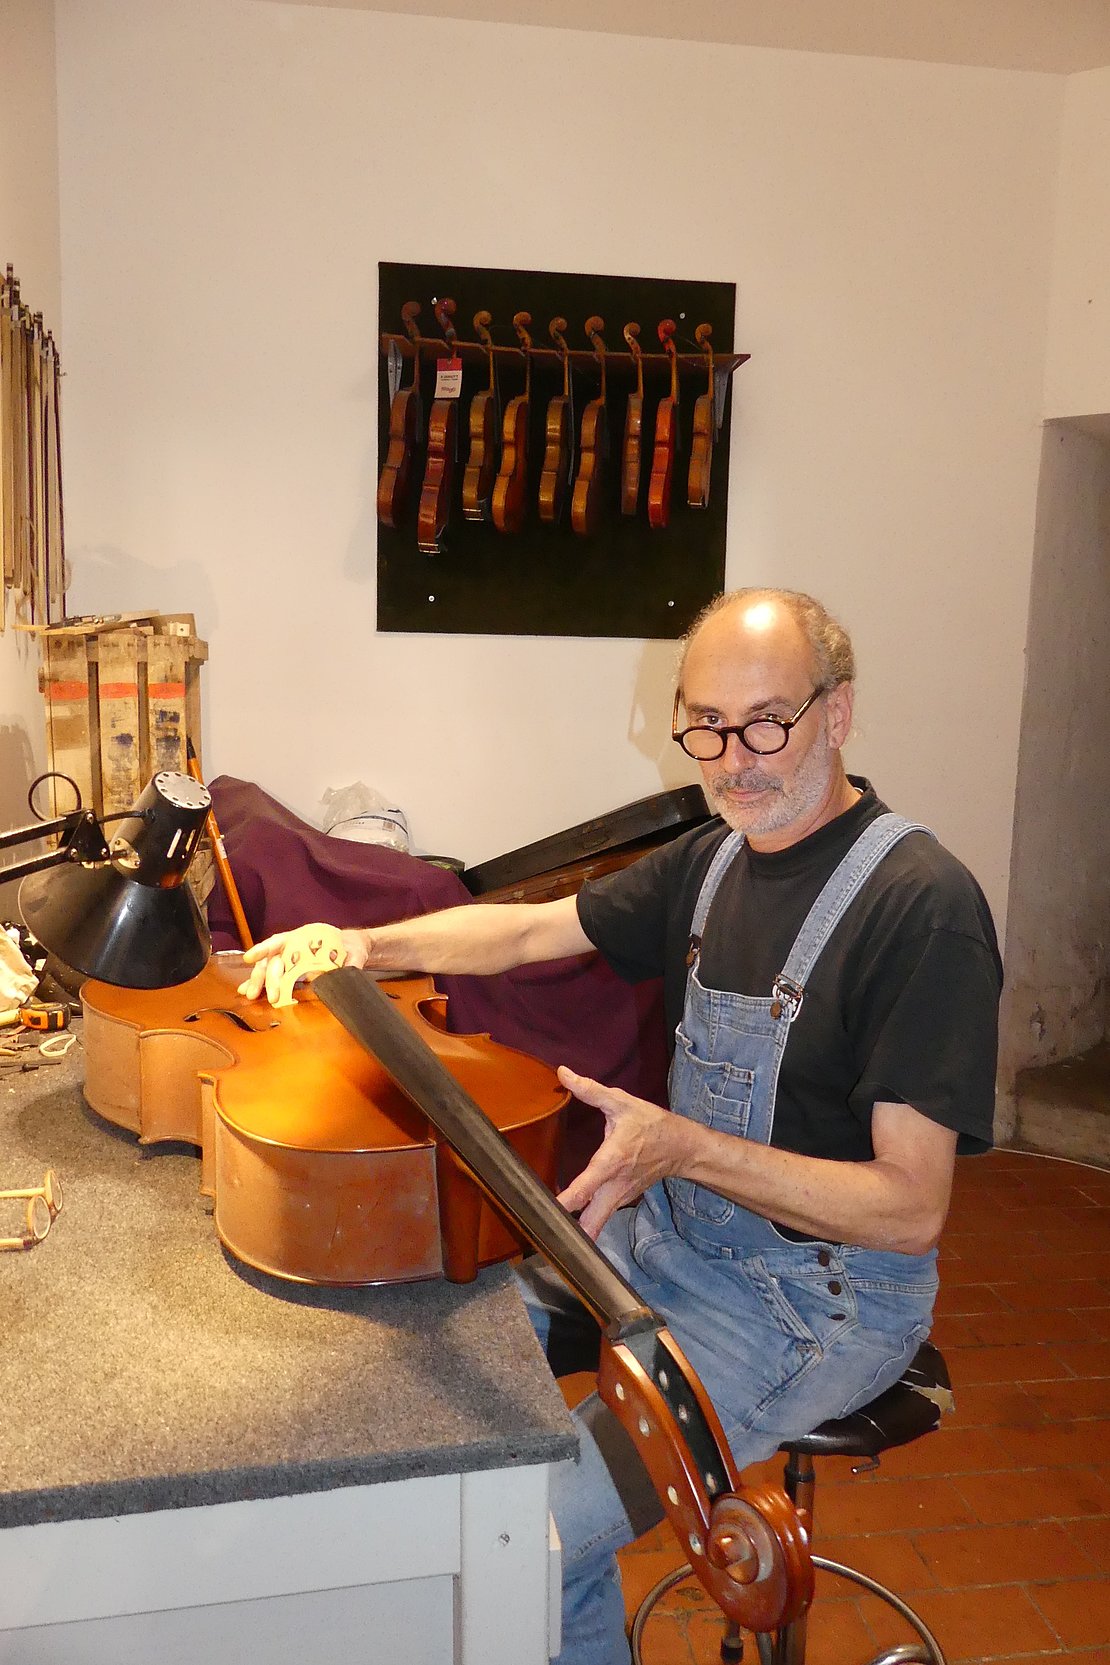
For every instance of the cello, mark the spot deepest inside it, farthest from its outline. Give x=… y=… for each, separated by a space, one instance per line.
x=558 y=457
x=405 y=425
x=481 y=466
x=510 y=492
x=319 y=1168
x=585 y=506
x=633 y=428
x=747 y=1544
x=666 y=438
x=705 y=427
x=439 y=469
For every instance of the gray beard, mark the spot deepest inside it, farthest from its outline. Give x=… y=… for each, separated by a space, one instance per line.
x=779 y=805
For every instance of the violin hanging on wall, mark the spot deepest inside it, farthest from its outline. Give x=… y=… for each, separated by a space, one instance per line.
x=439 y=470
x=666 y=438
x=405 y=425
x=485 y=420
x=558 y=457
x=705 y=427
x=510 y=492
x=633 y=428
x=585 y=507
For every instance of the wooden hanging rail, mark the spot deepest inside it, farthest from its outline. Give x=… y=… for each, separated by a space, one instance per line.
x=549 y=358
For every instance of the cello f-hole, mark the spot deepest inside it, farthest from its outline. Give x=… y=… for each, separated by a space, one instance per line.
x=236 y=1017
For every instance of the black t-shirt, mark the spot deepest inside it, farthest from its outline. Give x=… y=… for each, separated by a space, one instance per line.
x=901 y=1006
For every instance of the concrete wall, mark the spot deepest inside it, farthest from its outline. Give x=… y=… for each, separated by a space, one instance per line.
x=29 y=241
x=1057 y=964
x=231 y=174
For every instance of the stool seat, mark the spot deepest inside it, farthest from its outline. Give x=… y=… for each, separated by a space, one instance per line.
x=911 y=1407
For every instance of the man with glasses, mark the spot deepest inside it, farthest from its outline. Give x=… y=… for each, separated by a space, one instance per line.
x=831 y=979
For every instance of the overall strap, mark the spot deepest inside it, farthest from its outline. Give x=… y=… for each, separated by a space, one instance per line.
x=726 y=851
x=840 y=890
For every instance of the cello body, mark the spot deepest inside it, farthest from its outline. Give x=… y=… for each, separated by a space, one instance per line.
x=321 y=1170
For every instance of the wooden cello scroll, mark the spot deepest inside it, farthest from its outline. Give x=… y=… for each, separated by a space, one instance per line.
x=633 y=428
x=747 y=1545
x=666 y=438
x=405 y=431
x=585 y=506
x=510 y=492
x=705 y=427
x=481 y=467
x=558 y=456
x=439 y=469
x=321 y=1170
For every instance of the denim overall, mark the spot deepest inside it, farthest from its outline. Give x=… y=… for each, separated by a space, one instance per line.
x=783 y=1334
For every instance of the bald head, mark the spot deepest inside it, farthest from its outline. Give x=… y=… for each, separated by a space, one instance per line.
x=760 y=619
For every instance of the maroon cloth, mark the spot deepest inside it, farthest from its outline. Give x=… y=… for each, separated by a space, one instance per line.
x=575 y=1011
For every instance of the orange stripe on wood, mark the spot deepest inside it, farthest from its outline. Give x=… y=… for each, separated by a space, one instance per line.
x=68 y=690
x=166 y=690
x=119 y=690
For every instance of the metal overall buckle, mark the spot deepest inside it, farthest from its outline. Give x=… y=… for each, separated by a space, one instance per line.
x=786 y=996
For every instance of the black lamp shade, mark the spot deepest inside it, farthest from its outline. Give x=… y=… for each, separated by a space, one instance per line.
x=132 y=921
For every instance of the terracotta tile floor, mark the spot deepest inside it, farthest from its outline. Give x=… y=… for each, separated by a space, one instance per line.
x=996 y=1527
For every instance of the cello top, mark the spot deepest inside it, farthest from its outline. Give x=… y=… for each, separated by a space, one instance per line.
x=297 y=1082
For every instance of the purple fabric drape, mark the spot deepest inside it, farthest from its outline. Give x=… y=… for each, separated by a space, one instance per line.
x=575 y=1011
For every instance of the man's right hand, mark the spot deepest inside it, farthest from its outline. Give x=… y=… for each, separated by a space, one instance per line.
x=273 y=961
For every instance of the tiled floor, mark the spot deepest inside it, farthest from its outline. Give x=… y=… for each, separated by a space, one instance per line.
x=997 y=1527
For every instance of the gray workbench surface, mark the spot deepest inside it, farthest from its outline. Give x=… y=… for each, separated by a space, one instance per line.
x=142 y=1368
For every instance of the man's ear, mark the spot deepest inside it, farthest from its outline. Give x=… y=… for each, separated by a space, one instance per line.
x=838 y=708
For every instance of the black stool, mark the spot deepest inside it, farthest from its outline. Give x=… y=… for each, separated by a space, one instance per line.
x=910 y=1408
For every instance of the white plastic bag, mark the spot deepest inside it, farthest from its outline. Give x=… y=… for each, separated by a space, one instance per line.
x=359 y=813
x=17 y=980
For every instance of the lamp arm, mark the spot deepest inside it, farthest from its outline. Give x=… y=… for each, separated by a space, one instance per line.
x=82 y=839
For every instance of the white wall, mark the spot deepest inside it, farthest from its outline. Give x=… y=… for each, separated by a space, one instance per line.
x=1077 y=369
x=29 y=242
x=231 y=174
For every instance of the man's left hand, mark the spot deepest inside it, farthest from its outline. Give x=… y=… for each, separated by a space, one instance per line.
x=641 y=1144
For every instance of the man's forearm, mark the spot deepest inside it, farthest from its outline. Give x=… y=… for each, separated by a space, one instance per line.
x=878 y=1204
x=479 y=939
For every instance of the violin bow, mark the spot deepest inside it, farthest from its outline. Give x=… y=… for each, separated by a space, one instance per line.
x=747 y=1545
x=223 y=866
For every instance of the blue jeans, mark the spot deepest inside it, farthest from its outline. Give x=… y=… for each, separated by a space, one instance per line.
x=776 y=1349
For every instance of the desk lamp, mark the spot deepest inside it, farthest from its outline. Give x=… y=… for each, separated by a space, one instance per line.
x=120 y=910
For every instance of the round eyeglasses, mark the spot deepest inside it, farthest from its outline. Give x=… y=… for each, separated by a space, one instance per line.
x=763 y=735
x=43 y=1204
